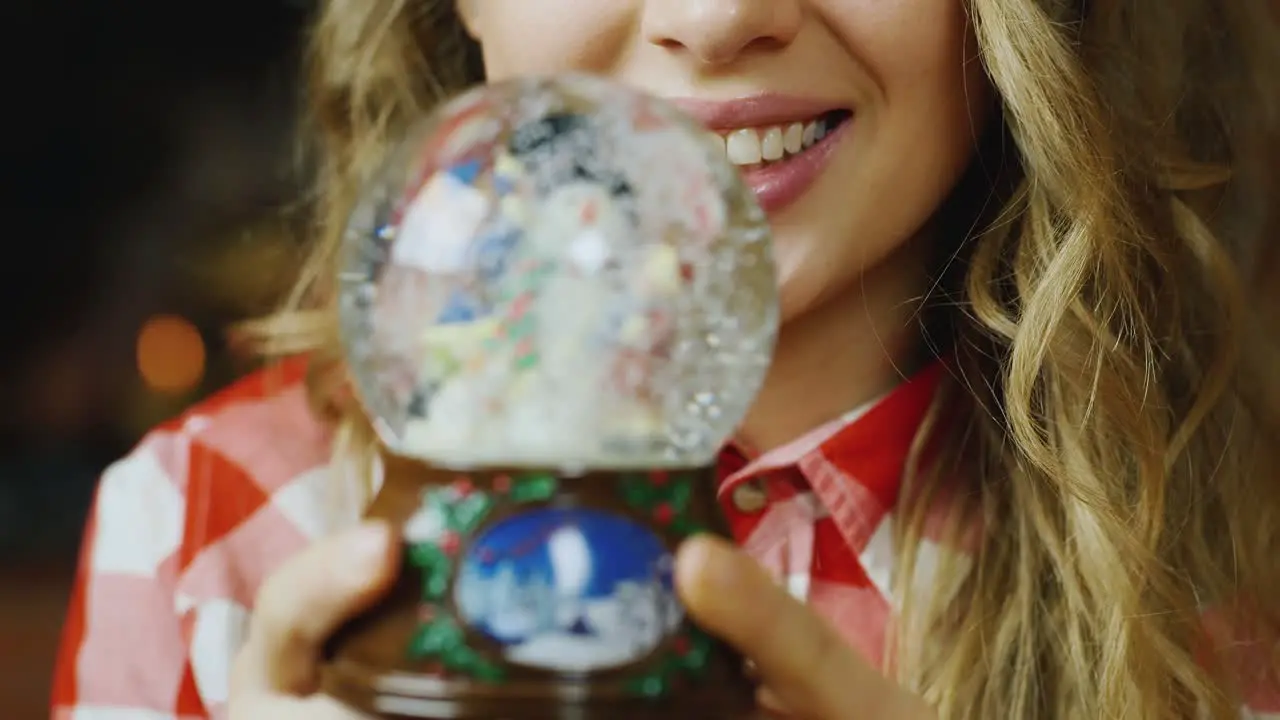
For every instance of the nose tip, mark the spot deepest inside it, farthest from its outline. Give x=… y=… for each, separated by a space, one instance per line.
x=717 y=32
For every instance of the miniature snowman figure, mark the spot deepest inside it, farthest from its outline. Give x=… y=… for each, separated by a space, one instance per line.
x=558 y=398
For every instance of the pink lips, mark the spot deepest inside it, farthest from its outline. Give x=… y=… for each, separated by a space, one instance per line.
x=781 y=183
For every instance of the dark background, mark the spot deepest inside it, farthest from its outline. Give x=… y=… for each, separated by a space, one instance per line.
x=149 y=168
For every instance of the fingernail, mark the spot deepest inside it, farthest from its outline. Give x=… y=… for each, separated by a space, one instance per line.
x=707 y=563
x=370 y=543
x=769 y=701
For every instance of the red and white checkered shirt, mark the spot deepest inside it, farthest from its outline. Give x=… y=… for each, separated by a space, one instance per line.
x=186 y=528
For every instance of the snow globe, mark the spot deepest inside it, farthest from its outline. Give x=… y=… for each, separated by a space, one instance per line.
x=557 y=301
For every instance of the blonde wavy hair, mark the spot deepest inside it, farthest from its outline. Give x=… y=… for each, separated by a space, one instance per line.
x=1117 y=398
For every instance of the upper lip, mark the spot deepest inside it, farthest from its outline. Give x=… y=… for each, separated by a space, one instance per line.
x=755 y=111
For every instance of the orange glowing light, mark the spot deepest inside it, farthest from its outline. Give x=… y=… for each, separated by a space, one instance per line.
x=171 y=354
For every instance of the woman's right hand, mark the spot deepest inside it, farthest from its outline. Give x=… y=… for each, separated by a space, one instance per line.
x=276 y=673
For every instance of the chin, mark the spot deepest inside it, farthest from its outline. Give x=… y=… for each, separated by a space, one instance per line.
x=796 y=297
x=805 y=276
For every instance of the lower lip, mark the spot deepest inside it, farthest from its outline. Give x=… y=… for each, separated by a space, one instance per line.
x=779 y=184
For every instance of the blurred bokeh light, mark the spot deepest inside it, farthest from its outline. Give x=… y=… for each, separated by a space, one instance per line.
x=171 y=354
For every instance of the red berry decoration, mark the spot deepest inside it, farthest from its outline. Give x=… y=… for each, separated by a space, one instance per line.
x=664 y=513
x=449 y=543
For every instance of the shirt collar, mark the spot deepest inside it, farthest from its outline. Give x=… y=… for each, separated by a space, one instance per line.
x=870 y=443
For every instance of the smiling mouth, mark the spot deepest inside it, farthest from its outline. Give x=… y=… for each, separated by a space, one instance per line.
x=760 y=147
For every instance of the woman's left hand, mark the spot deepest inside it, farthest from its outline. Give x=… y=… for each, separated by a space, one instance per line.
x=807 y=669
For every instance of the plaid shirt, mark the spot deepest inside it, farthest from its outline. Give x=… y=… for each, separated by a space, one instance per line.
x=186 y=528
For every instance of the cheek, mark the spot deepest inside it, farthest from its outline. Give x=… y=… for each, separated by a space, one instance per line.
x=523 y=37
x=935 y=101
x=932 y=81
x=921 y=111
x=932 y=94
x=910 y=48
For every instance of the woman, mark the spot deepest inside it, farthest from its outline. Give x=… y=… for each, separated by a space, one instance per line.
x=1040 y=213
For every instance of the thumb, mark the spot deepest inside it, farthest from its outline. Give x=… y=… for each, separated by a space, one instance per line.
x=804 y=663
x=306 y=600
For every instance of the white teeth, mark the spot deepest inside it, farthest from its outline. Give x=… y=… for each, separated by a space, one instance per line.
x=752 y=146
x=743 y=147
x=771 y=145
x=793 y=139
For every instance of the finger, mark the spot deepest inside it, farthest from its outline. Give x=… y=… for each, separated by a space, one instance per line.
x=770 y=701
x=809 y=668
x=306 y=600
x=284 y=707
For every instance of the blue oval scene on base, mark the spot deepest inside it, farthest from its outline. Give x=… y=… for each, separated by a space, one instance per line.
x=569 y=590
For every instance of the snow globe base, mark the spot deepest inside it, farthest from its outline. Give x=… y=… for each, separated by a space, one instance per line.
x=532 y=594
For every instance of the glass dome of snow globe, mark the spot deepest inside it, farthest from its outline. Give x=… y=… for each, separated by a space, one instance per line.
x=558 y=272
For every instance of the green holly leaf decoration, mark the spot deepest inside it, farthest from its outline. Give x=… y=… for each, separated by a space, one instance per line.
x=638 y=492
x=685 y=527
x=463 y=509
x=488 y=672
x=680 y=495
x=435 y=581
x=444 y=641
x=698 y=652
x=651 y=685
x=463 y=659
x=424 y=555
x=688 y=656
x=664 y=498
x=434 y=638
x=436 y=566
x=467 y=513
x=534 y=487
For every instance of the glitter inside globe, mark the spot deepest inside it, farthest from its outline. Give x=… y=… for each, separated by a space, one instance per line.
x=560 y=273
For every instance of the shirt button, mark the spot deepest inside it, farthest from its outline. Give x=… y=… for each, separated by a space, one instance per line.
x=750 y=497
